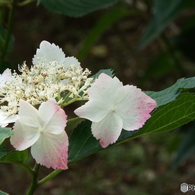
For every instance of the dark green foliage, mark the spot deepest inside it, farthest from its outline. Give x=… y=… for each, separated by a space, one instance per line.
x=76 y=8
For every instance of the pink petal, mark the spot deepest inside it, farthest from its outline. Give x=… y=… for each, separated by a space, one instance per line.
x=53 y=117
x=94 y=110
x=108 y=130
x=103 y=88
x=24 y=136
x=133 y=106
x=28 y=114
x=51 y=150
x=50 y=52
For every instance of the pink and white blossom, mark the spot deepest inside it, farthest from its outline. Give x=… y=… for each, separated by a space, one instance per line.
x=43 y=131
x=51 y=52
x=113 y=107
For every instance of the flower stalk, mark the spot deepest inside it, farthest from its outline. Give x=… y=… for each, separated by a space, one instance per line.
x=34 y=182
x=49 y=177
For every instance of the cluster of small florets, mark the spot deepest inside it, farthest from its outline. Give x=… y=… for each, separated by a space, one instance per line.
x=45 y=81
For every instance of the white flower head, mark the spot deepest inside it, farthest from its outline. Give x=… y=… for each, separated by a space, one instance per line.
x=49 y=78
x=113 y=107
x=43 y=131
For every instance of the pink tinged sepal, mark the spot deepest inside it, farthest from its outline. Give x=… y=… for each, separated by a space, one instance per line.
x=29 y=115
x=96 y=114
x=51 y=150
x=133 y=106
x=107 y=130
x=24 y=136
x=53 y=117
x=43 y=131
x=104 y=88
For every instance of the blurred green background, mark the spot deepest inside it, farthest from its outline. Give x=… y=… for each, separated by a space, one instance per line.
x=118 y=38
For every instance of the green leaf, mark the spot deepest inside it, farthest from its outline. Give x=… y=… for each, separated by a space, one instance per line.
x=104 y=23
x=5 y=133
x=164 y=13
x=82 y=142
x=3 y=150
x=106 y=71
x=76 y=8
x=3 y=193
x=187 y=147
x=14 y=157
x=165 y=118
x=3 y=34
x=169 y=94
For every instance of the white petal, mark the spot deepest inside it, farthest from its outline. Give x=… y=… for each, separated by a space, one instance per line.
x=108 y=130
x=6 y=76
x=5 y=120
x=3 y=117
x=28 y=114
x=9 y=119
x=70 y=60
x=49 y=52
x=133 y=106
x=103 y=88
x=53 y=117
x=51 y=150
x=94 y=110
x=24 y=136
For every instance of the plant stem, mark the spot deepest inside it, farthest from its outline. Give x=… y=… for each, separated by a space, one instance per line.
x=74 y=100
x=25 y=3
x=50 y=176
x=4 y=2
x=9 y=30
x=27 y=168
x=34 y=182
x=74 y=119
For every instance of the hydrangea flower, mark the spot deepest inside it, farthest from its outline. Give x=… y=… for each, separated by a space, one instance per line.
x=43 y=131
x=113 y=107
x=51 y=77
